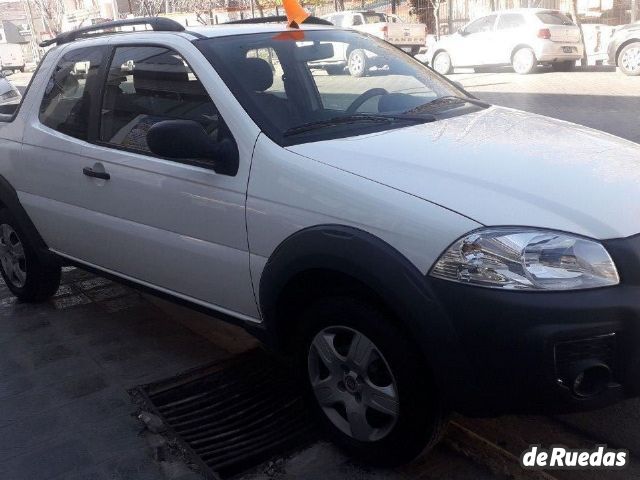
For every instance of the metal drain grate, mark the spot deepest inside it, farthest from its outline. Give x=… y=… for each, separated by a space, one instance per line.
x=233 y=415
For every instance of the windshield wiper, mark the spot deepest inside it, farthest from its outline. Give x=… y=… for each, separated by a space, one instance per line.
x=446 y=100
x=357 y=118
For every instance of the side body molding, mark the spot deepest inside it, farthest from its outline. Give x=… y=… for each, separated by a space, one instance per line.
x=402 y=287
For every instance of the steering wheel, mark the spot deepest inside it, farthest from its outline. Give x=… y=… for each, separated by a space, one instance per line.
x=357 y=103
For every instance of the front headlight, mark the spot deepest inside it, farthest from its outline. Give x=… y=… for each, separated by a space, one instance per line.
x=527 y=259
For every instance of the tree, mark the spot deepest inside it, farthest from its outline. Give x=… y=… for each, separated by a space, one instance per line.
x=436 y=4
x=51 y=12
x=574 y=13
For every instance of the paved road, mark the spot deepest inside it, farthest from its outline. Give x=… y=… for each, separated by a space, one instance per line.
x=601 y=99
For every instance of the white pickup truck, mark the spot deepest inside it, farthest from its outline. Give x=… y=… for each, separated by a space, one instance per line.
x=410 y=37
x=412 y=250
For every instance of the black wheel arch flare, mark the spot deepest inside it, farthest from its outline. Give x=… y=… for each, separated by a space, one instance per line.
x=9 y=200
x=404 y=290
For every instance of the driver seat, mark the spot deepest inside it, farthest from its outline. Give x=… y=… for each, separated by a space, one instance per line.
x=258 y=76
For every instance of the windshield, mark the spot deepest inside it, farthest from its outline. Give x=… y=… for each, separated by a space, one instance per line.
x=289 y=80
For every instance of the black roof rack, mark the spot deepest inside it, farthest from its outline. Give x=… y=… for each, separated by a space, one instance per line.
x=279 y=19
x=156 y=23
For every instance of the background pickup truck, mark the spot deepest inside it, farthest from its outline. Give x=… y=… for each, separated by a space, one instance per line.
x=407 y=36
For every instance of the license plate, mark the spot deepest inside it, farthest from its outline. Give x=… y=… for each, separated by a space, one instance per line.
x=567 y=49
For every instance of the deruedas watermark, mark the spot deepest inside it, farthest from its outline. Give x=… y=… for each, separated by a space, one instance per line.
x=559 y=457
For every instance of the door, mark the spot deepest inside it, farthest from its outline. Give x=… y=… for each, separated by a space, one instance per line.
x=473 y=41
x=511 y=30
x=103 y=198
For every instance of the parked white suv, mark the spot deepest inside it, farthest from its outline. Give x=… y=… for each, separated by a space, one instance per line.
x=414 y=249
x=523 y=38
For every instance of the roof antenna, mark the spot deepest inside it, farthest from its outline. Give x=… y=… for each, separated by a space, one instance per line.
x=296 y=15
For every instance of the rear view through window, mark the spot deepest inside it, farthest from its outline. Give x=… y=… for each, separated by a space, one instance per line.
x=68 y=98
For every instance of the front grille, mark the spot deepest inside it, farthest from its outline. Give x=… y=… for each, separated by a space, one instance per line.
x=567 y=354
x=231 y=416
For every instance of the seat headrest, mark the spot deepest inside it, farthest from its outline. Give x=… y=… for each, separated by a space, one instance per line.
x=257 y=73
x=160 y=73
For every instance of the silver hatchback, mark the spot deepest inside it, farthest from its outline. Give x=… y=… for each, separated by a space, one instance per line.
x=523 y=38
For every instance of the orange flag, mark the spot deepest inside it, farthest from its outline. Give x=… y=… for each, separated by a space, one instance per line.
x=295 y=13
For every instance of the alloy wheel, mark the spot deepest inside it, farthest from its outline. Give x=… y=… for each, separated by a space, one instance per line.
x=356 y=63
x=12 y=256
x=442 y=63
x=631 y=59
x=353 y=383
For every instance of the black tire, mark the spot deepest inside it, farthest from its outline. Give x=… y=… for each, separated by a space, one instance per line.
x=420 y=419
x=357 y=63
x=442 y=63
x=36 y=280
x=522 y=67
x=335 y=69
x=631 y=69
x=568 y=66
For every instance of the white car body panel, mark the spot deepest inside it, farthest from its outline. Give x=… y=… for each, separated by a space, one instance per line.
x=289 y=192
x=139 y=215
x=504 y=167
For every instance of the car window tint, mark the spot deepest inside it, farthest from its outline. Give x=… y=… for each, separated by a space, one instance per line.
x=68 y=98
x=509 y=21
x=146 y=85
x=484 y=24
x=554 y=18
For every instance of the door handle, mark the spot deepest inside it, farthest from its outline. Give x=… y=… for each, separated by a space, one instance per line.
x=90 y=172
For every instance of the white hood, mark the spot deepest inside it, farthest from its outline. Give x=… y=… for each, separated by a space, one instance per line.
x=504 y=167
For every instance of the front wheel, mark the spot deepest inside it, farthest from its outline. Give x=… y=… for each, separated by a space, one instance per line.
x=368 y=384
x=442 y=63
x=524 y=61
x=357 y=63
x=27 y=276
x=629 y=60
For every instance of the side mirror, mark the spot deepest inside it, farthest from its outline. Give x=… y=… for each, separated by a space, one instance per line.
x=186 y=139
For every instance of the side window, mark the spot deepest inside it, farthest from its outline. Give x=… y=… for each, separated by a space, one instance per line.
x=70 y=93
x=509 y=21
x=484 y=24
x=357 y=20
x=146 y=85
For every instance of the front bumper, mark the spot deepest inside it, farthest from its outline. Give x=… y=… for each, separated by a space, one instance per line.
x=519 y=346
